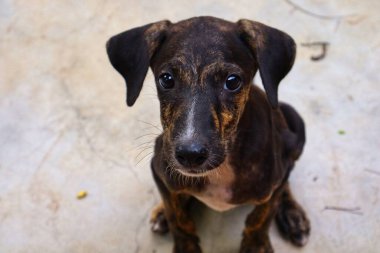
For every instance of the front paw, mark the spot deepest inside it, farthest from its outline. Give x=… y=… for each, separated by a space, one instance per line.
x=158 y=221
x=256 y=244
x=293 y=223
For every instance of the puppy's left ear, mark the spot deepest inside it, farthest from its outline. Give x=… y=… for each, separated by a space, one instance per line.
x=274 y=52
x=130 y=53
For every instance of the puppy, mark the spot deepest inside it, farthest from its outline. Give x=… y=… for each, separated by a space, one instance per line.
x=225 y=142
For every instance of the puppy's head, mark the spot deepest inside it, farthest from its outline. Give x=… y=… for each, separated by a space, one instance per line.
x=203 y=69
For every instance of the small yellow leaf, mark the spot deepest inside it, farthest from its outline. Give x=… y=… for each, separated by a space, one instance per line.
x=81 y=195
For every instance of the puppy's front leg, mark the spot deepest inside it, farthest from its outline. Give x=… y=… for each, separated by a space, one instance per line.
x=178 y=217
x=255 y=235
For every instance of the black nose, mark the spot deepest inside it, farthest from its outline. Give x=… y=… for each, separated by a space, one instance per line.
x=191 y=155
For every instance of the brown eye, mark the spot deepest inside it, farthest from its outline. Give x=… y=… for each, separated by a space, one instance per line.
x=166 y=81
x=233 y=83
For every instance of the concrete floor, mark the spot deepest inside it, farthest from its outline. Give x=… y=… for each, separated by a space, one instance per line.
x=65 y=127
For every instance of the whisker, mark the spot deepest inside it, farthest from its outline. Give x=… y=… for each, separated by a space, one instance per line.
x=150 y=124
x=144 y=145
x=148 y=128
x=145 y=156
x=143 y=149
x=139 y=146
x=149 y=134
x=147 y=142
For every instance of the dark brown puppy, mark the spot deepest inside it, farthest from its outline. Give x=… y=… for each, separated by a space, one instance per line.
x=224 y=141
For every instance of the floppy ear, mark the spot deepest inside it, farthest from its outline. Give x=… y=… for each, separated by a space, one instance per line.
x=130 y=53
x=274 y=52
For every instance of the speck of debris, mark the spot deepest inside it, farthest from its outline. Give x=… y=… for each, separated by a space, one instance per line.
x=315 y=179
x=81 y=195
x=322 y=44
x=341 y=132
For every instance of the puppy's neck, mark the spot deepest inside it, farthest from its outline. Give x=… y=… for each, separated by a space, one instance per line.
x=218 y=192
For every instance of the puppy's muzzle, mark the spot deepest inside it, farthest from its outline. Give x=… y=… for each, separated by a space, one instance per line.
x=191 y=155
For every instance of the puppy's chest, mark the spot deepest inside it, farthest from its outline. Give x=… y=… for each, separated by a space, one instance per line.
x=218 y=192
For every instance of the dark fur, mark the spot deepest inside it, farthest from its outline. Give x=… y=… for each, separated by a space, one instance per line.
x=248 y=134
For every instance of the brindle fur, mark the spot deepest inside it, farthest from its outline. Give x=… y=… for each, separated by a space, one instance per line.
x=253 y=141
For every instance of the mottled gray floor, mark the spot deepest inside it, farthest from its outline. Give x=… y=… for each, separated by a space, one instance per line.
x=64 y=127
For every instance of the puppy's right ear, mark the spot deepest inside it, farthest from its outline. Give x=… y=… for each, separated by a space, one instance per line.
x=130 y=53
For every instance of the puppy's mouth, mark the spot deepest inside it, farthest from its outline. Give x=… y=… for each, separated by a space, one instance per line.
x=203 y=170
x=195 y=173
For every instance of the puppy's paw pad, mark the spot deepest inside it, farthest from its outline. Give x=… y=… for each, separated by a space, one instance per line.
x=160 y=227
x=299 y=239
x=293 y=224
x=158 y=221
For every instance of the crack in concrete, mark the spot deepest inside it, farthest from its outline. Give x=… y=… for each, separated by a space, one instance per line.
x=50 y=150
x=88 y=140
